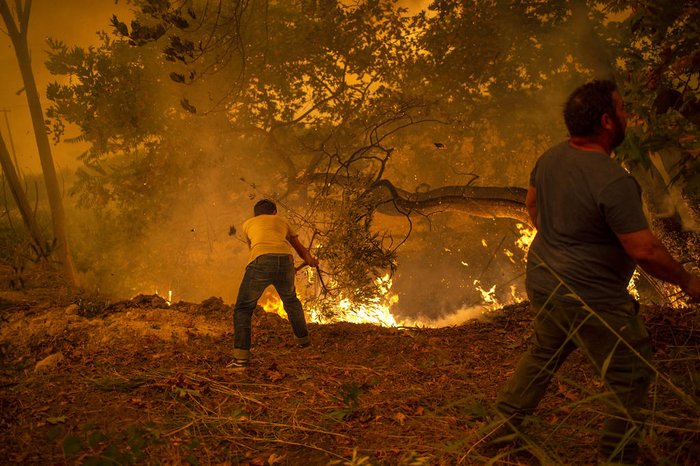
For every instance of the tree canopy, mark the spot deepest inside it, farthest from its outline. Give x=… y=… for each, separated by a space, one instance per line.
x=347 y=112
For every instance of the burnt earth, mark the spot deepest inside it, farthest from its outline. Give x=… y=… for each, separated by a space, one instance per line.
x=85 y=382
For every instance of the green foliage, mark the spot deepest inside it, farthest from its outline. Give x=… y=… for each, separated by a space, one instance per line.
x=54 y=433
x=56 y=420
x=350 y=397
x=319 y=102
x=657 y=47
x=355 y=460
x=72 y=445
x=347 y=239
x=108 y=448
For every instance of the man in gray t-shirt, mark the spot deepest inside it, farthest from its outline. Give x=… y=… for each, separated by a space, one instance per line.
x=591 y=234
x=587 y=199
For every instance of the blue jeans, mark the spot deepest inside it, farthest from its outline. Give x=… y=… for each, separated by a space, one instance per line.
x=269 y=269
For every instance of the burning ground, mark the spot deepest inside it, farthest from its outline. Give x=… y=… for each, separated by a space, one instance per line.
x=140 y=381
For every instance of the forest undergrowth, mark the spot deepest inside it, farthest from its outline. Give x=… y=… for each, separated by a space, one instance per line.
x=83 y=381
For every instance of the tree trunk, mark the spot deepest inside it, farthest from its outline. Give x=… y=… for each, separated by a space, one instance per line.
x=671 y=219
x=19 y=196
x=479 y=201
x=18 y=34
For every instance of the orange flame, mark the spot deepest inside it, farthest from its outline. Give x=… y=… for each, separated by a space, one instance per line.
x=488 y=294
x=376 y=312
x=526 y=236
x=271 y=302
x=379 y=311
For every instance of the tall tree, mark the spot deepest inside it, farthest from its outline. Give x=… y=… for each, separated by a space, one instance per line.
x=18 y=194
x=17 y=27
x=341 y=110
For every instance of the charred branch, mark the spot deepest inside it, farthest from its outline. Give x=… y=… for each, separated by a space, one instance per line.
x=485 y=202
x=478 y=201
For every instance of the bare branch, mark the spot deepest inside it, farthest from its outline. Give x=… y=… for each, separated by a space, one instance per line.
x=23 y=16
x=12 y=30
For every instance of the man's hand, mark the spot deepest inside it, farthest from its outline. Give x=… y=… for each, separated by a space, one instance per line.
x=304 y=253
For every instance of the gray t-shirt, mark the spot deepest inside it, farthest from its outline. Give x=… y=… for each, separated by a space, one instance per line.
x=583 y=199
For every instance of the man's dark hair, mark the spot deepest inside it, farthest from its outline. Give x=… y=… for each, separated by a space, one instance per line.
x=264 y=207
x=586 y=105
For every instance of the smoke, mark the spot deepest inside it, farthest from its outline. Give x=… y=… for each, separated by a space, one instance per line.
x=187 y=250
x=441 y=261
x=70 y=21
x=458 y=317
x=189 y=254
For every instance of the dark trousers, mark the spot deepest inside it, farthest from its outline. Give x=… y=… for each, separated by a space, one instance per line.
x=269 y=269
x=616 y=343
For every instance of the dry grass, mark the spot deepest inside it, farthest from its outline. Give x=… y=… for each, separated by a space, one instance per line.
x=140 y=384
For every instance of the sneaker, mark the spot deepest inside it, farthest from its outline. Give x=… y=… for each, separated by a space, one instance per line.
x=303 y=342
x=238 y=363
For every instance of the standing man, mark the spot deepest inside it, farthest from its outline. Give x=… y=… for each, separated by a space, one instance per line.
x=591 y=234
x=271 y=263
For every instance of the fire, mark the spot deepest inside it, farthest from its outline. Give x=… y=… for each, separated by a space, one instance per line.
x=526 y=236
x=514 y=294
x=169 y=299
x=523 y=242
x=271 y=302
x=377 y=312
x=632 y=286
x=488 y=296
x=674 y=296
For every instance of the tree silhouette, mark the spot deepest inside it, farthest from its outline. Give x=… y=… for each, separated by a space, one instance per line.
x=17 y=26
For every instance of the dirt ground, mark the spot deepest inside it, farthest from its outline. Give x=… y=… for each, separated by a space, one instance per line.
x=141 y=382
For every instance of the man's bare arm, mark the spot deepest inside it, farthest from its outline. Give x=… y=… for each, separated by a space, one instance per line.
x=531 y=204
x=654 y=258
x=302 y=251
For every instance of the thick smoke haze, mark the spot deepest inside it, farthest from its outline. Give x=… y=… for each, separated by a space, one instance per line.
x=70 y=21
x=190 y=254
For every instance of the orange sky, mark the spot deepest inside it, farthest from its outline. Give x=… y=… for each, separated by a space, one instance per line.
x=72 y=21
